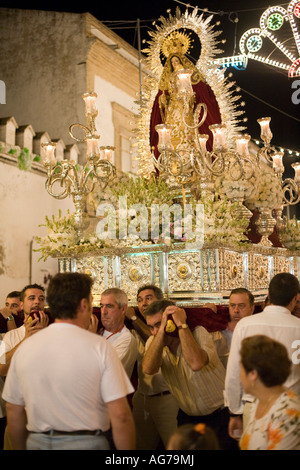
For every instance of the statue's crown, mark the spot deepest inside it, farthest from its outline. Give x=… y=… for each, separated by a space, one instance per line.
x=177 y=42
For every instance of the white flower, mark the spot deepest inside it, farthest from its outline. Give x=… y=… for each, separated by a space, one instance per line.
x=269 y=192
x=178 y=232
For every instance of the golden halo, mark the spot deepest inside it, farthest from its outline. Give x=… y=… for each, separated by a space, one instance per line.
x=177 y=42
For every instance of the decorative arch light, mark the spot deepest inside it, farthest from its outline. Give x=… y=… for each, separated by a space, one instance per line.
x=271 y=21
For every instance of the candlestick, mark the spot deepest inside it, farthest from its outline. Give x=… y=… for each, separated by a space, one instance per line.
x=49 y=149
x=184 y=82
x=78 y=181
x=107 y=153
x=219 y=135
x=296 y=167
x=242 y=145
x=277 y=162
x=265 y=131
x=92 y=145
x=203 y=138
x=90 y=103
x=164 y=135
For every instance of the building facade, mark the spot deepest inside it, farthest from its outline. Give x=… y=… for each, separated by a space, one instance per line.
x=47 y=61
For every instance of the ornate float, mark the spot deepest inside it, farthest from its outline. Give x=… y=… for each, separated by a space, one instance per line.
x=193 y=157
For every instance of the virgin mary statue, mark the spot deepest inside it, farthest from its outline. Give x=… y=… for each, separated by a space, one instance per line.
x=168 y=103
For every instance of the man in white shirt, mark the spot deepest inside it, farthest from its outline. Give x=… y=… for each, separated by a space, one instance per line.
x=114 y=304
x=296 y=310
x=66 y=386
x=32 y=302
x=277 y=322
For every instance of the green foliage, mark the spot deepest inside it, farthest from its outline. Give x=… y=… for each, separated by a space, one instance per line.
x=24 y=158
x=143 y=191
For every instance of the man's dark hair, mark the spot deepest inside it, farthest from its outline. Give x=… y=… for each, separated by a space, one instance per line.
x=243 y=290
x=65 y=292
x=13 y=294
x=158 y=306
x=283 y=288
x=157 y=290
x=30 y=286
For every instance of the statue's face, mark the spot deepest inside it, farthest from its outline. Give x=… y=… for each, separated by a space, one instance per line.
x=175 y=62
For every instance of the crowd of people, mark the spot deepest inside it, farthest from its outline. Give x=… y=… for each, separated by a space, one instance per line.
x=146 y=377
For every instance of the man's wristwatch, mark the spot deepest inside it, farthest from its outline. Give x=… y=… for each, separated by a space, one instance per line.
x=10 y=318
x=133 y=318
x=184 y=326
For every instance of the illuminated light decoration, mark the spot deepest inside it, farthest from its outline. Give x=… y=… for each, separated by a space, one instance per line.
x=275 y=21
x=270 y=22
x=254 y=43
x=238 y=62
x=297 y=10
x=292 y=8
x=292 y=153
x=294 y=71
x=273 y=18
x=264 y=25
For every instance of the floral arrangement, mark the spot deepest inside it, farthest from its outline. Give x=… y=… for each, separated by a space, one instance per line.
x=269 y=193
x=222 y=224
x=62 y=238
x=100 y=195
x=142 y=216
x=290 y=236
x=235 y=187
x=140 y=190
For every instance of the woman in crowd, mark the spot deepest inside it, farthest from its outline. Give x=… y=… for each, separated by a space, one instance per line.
x=274 y=422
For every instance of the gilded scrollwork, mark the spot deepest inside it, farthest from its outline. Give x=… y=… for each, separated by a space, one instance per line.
x=134 y=272
x=282 y=264
x=210 y=272
x=231 y=269
x=259 y=271
x=184 y=272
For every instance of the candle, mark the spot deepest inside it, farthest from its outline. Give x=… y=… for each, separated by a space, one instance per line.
x=164 y=135
x=242 y=145
x=107 y=153
x=184 y=82
x=219 y=135
x=265 y=131
x=49 y=156
x=90 y=103
x=92 y=145
x=203 y=138
x=277 y=162
x=296 y=167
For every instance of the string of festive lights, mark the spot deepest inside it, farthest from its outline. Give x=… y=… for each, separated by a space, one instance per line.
x=290 y=152
x=286 y=151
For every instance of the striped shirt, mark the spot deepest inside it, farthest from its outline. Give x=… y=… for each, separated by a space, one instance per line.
x=198 y=393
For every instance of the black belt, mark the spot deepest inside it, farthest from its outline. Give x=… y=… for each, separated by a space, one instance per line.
x=53 y=432
x=160 y=394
